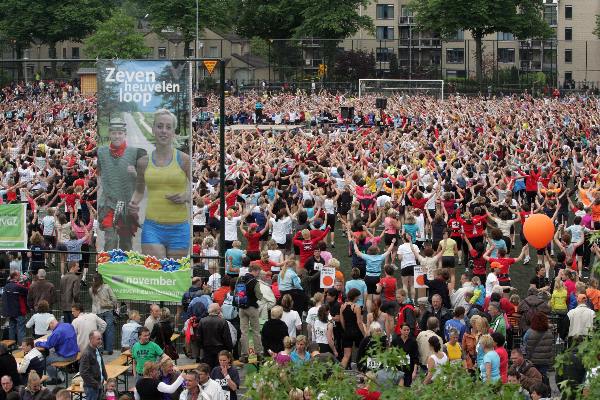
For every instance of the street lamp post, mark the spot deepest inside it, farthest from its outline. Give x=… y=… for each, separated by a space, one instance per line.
x=196 y=50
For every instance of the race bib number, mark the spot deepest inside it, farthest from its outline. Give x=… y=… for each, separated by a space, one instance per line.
x=373 y=364
x=318 y=267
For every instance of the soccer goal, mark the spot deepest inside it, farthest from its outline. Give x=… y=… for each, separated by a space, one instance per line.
x=390 y=87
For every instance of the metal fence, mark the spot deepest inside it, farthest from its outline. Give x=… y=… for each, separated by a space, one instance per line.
x=53 y=275
x=400 y=53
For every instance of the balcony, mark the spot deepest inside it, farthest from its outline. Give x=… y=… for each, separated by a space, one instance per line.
x=530 y=44
x=402 y=20
x=531 y=65
x=419 y=43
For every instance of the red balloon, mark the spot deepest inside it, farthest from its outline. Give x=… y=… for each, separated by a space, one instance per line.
x=538 y=230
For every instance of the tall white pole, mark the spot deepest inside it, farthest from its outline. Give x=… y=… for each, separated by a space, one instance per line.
x=196 y=49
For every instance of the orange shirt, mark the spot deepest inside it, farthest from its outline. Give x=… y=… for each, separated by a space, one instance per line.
x=595 y=212
x=594 y=296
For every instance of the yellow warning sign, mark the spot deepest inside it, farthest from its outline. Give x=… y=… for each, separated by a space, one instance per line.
x=210 y=65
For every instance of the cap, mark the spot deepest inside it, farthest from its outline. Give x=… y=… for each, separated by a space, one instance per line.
x=495 y=264
x=116 y=125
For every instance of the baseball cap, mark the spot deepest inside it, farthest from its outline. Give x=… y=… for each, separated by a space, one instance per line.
x=496 y=264
x=116 y=124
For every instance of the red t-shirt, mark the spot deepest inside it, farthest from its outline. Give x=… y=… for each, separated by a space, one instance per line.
x=455 y=228
x=253 y=241
x=418 y=203
x=388 y=285
x=479 y=263
x=220 y=294
x=502 y=353
x=506 y=263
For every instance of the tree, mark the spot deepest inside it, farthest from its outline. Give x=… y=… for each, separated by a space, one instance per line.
x=523 y=18
x=331 y=20
x=116 y=37
x=51 y=21
x=353 y=65
x=180 y=16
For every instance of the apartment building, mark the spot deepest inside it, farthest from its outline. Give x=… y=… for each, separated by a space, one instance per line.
x=573 y=55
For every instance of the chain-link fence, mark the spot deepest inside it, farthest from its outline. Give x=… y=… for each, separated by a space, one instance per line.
x=507 y=65
x=54 y=258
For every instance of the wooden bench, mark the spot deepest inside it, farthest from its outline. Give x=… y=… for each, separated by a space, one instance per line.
x=76 y=392
x=63 y=366
x=118 y=372
x=9 y=344
x=186 y=367
x=121 y=360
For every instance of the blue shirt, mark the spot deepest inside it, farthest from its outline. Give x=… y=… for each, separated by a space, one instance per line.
x=289 y=282
x=63 y=339
x=235 y=257
x=361 y=286
x=412 y=230
x=492 y=358
x=373 y=263
x=454 y=324
x=500 y=244
x=296 y=359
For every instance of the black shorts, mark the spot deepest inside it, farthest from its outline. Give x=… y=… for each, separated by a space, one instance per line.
x=371 y=282
x=282 y=246
x=408 y=271
x=198 y=228
x=213 y=224
x=353 y=339
x=330 y=221
x=388 y=237
x=253 y=255
x=580 y=250
x=448 y=262
x=228 y=244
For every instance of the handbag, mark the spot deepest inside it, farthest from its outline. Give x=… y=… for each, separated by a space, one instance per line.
x=169 y=348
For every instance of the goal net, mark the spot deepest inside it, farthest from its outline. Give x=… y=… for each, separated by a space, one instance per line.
x=392 y=87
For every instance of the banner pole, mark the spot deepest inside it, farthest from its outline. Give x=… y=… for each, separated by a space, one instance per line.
x=222 y=165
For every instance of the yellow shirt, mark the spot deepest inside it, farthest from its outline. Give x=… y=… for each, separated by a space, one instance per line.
x=454 y=351
x=161 y=182
x=558 y=301
x=450 y=244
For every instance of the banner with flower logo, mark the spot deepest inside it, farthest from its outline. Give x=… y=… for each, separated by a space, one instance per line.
x=133 y=276
x=13 y=227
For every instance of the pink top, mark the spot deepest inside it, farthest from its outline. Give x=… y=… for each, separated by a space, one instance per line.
x=80 y=231
x=389 y=226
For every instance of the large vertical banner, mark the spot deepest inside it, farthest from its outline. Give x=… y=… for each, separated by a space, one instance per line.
x=13 y=227
x=144 y=171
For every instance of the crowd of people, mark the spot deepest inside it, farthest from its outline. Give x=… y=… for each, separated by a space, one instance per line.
x=441 y=188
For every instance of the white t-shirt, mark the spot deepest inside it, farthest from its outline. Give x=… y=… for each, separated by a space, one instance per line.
x=214 y=281
x=231 y=228
x=48 y=225
x=199 y=216
x=490 y=282
x=408 y=258
x=311 y=315
x=292 y=320
x=319 y=332
x=280 y=228
x=329 y=206
x=275 y=255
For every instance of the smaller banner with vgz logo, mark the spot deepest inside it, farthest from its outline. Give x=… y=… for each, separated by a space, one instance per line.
x=13 y=227
x=132 y=276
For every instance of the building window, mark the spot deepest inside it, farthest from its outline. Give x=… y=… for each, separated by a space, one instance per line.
x=568 y=33
x=75 y=52
x=550 y=15
x=385 y=11
x=385 y=33
x=506 y=55
x=213 y=51
x=162 y=52
x=189 y=53
x=64 y=52
x=383 y=54
x=505 y=36
x=568 y=12
x=568 y=76
x=459 y=35
x=568 y=55
x=405 y=11
x=455 y=56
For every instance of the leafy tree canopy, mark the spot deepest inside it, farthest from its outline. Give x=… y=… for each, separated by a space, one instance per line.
x=117 y=37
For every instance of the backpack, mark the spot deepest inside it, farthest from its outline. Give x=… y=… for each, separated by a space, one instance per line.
x=400 y=320
x=229 y=310
x=240 y=293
